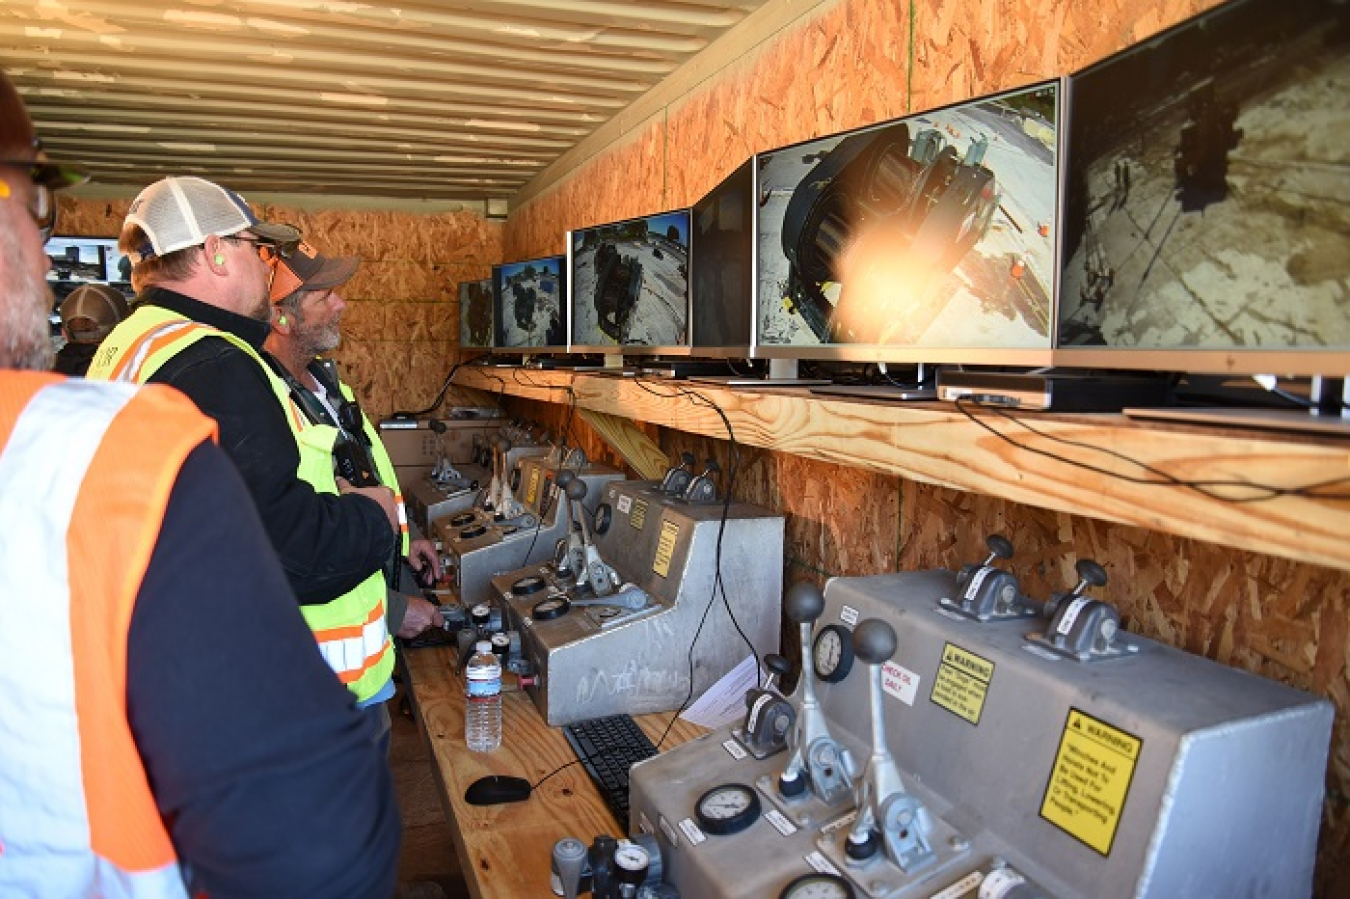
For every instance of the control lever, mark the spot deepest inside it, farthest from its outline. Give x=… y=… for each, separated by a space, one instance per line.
x=677 y=479
x=987 y=593
x=507 y=505
x=588 y=567
x=816 y=761
x=569 y=859
x=769 y=716
x=703 y=489
x=493 y=496
x=887 y=815
x=629 y=596
x=1081 y=627
x=576 y=459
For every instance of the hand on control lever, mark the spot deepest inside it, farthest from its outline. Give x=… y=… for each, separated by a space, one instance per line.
x=420 y=616
x=425 y=562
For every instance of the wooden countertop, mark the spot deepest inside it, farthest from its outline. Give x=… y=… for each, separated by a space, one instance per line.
x=505 y=850
x=1100 y=465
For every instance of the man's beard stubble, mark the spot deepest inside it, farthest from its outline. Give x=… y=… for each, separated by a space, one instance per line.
x=25 y=329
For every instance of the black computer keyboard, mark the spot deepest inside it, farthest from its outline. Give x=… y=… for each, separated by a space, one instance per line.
x=608 y=747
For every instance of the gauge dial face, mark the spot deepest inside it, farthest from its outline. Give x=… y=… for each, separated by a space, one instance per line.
x=604 y=515
x=631 y=857
x=552 y=607
x=832 y=653
x=727 y=809
x=818 y=886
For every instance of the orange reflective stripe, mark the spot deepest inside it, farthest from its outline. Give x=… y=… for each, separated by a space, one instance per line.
x=112 y=534
x=153 y=342
x=352 y=630
x=354 y=675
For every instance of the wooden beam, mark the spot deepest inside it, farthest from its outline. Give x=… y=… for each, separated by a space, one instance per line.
x=636 y=448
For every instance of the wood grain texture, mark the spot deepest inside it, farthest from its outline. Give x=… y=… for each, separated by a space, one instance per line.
x=1086 y=465
x=505 y=849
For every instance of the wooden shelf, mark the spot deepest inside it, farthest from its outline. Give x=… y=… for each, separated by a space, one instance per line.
x=1103 y=466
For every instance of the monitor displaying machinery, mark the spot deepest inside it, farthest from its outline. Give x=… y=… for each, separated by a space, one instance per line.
x=929 y=238
x=530 y=304
x=630 y=285
x=86 y=260
x=723 y=288
x=475 y=314
x=1206 y=189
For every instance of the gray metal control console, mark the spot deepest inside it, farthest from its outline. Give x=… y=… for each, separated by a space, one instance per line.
x=486 y=546
x=935 y=748
x=628 y=612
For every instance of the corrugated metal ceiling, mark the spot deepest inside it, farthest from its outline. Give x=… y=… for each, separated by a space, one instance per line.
x=456 y=101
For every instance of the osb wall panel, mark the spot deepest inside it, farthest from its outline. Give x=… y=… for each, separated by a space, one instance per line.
x=634 y=185
x=401 y=327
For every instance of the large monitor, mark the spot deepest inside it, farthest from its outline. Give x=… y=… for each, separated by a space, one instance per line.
x=530 y=305
x=723 y=289
x=630 y=286
x=1206 y=196
x=925 y=239
x=476 y=328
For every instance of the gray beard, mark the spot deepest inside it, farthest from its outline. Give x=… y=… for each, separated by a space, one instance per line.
x=25 y=329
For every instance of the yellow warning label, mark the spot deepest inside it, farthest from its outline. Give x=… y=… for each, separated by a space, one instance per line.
x=638 y=517
x=1091 y=779
x=531 y=493
x=665 y=547
x=962 y=683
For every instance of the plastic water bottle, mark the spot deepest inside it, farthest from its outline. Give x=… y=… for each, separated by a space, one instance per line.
x=483 y=703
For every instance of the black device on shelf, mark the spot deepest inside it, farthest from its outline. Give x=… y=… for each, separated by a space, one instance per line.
x=607 y=748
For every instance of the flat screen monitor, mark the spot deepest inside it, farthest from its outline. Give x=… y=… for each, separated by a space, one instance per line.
x=722 y=309
x=1206 y=195
x=529 y=305
x=86 y=260
x=476 y=314
x=929 y=238
x=630 y=285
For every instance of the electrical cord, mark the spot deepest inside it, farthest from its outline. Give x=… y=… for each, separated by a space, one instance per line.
x=1212 y=488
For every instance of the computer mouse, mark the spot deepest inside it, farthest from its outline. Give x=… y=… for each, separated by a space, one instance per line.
x=497 y=788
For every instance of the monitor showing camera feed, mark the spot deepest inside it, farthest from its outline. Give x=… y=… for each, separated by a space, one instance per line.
x=722 y=299
x=630 y=284
x=475 y=314
x=84 y=260
x=529 y=305
x=1207 y=197
x=929 y=238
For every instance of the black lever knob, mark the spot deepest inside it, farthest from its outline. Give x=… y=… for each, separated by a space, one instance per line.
x=803 y=602
x=1000 y=547
x=564 y=478
x=874 y=641
x=1091 y=573
x=777 y=665
x=576 y=489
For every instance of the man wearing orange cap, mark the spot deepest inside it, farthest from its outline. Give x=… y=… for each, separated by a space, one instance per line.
x=306 y=322
x=160 y=694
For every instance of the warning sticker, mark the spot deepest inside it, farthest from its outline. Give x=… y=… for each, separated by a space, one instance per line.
x=533 y=489
x=665 y=547
x=638 y=517
x=1090 y=780
x=962 y=683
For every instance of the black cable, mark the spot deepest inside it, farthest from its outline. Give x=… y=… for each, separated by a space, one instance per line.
x=1209 y=488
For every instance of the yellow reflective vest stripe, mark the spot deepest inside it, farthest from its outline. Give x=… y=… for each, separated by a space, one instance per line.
x=139 y=347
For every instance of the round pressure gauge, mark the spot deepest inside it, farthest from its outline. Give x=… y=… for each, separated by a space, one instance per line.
x=604 y=517
x=527 y=585
x=461 y=519
x=630 y=863
x=554 y=607
x=727 y=809
x=832 y=653
x=818 y=886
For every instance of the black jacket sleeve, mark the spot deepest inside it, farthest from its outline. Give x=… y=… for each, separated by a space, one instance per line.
x=258 y=759
x=327 y=543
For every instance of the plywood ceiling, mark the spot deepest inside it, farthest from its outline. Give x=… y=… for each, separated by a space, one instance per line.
x=454 y=101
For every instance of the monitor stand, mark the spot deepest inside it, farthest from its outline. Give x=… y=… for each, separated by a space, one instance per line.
x=782 y=373
x=612 y=364
x=1297 y=420
x=893 y=392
